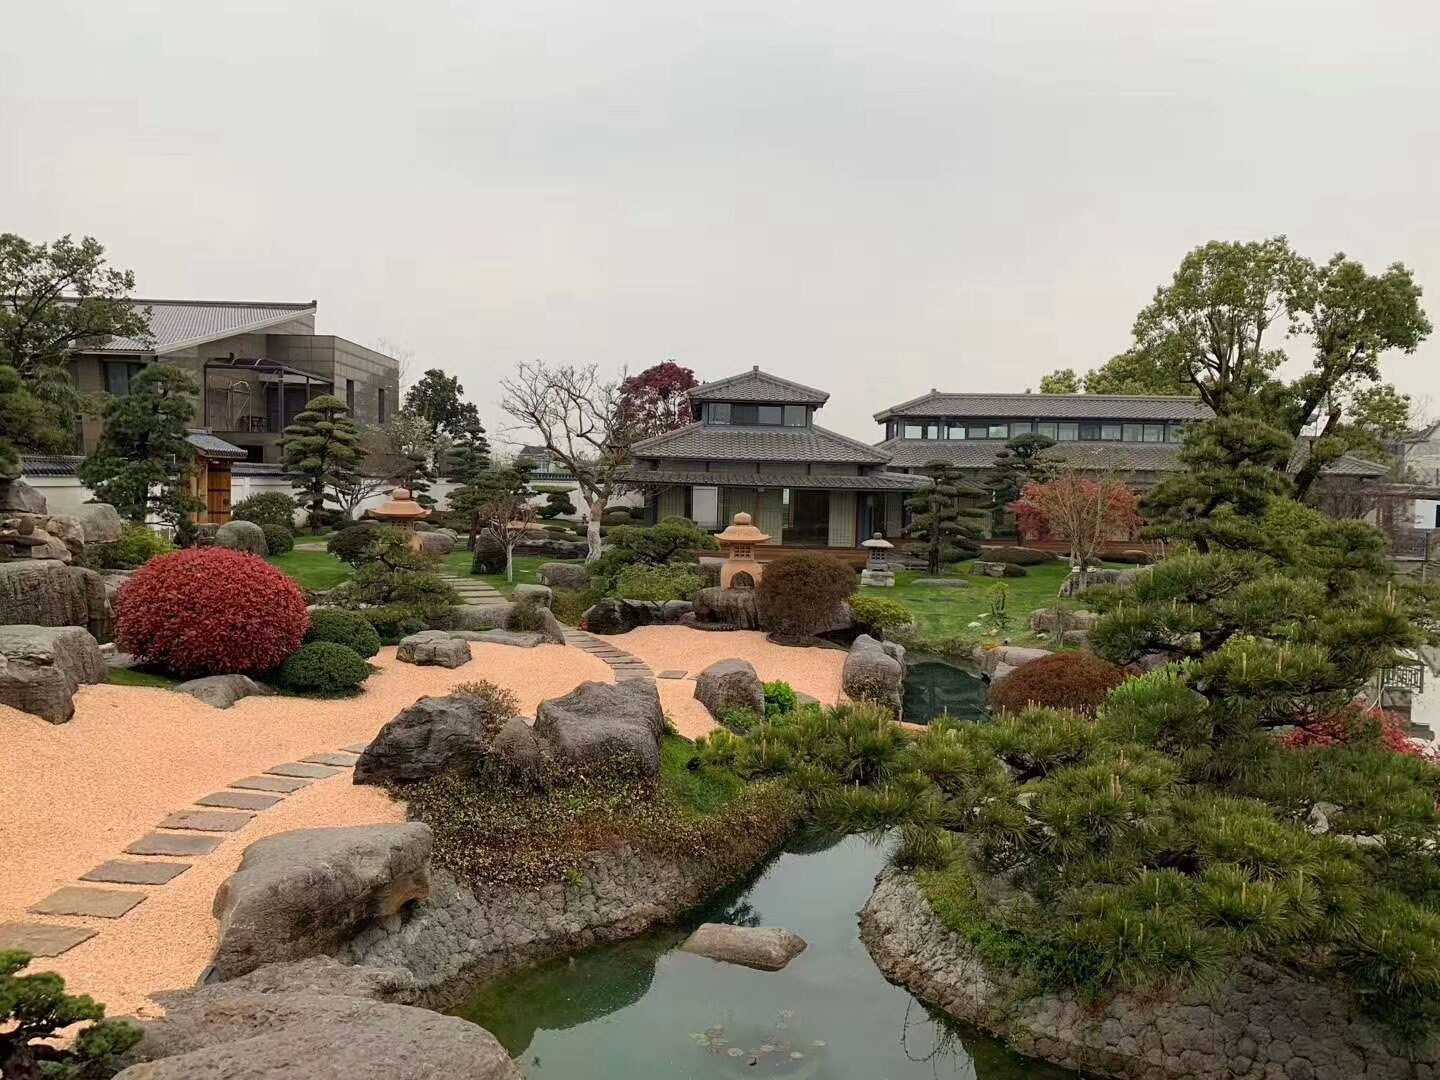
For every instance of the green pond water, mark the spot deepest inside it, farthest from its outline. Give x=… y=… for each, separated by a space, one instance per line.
x=640 y=1009
x=935 y=688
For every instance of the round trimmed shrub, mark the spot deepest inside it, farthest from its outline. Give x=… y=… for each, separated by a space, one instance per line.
x=644 y=581
x=489 y=556
x=1075 y=681
x=1018 y=556
x=874 y=615
x=394 y=621
x=348 y=628
x=271 y=508
x=278 y=539
x=527 y=618
x=210 y=611
x=352 y=544
x=323 y=667
x=798 y=594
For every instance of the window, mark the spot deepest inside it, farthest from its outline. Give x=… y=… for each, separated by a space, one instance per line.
x=118 y=374
x=1132 y=433
x=914 y=431
x=1068 y=432
x=981 y=431
x=718 y=412
x=1023 y=427
x=380 y=405
x=771 y=414
x=1175 y=433
x=1154 y=432
x=350 y=395
x=1090 y=432
x=1110 y=432
x=744 y=414
x=1048 y=430
x=955 y=431
x=797 y=416
x=705 y=506
x=999 y=431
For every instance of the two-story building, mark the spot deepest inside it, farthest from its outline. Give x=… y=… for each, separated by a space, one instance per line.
x=755 y=448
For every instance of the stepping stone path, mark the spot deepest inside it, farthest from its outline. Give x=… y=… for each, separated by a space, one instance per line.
x=127 y=872
x=207 y=821
x=239 y=800
x=101 y=903
x=42 y=939
x=624 y=664
x=302 y=769
x=672 y=674
x=285 y=784
x=158 y=843
x=473 y=590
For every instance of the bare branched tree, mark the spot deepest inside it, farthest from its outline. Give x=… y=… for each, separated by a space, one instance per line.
x=579 y=419
x=507 y=519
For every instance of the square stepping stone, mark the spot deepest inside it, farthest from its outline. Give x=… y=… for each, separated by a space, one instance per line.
x=672 y=674
x=344 y=761
x=301 y=768
x=271 y=783
x=357 y=748
x=239 y=800
x=42 y=939
x=206 y=821
x=159 y=843
x=128 y=872
x=101 y=903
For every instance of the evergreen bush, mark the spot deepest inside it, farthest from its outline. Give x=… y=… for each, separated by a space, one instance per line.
x=489 y=556
x=278 y=539
x=270 y=508
x=527 y=617
x=646 y=581
x=394 y=621
x=1019 y=556
x=877 y=615
x=138 y=544
x=323 y=667
x=1064 y=680
x=352 y=542
x=35 y=1010
x=780 y=699
x=349 y=628
x=798 y=594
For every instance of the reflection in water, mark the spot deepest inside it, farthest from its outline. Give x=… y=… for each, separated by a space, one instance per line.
x=936 y=688
x=640 y=1009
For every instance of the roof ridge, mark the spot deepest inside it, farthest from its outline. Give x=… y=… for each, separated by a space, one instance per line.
x=296 y=305
x=665 y=435
x=843 y=438
x=756 y=372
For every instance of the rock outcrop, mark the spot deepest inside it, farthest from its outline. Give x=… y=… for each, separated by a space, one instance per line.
x=1050 y=620
x=497 y=617
x=730 y=684
x=41 y=667
x=433 y=648
x=1010 y=655
x=564 y=576
x=20 y=497
x=222 y=691
x=612 y=615
x=552 y=549
x=768 y=948
x=435 y=735
x=733 y=608
x=309 y=892
x=875 y=671
x=101 y=523
x=242 y=536
x=436 y=543
x=539 y=595
x=1095 y=578
x=617 y=725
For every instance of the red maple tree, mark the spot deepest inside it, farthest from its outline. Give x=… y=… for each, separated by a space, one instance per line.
x=657 y=399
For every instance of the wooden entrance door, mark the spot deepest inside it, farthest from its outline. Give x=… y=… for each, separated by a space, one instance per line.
x=217 y=493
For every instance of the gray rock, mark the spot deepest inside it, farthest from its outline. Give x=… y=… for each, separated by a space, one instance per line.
x=321 y=1022
x=67 y=530
x=1050 y=620
x=222 y=691
x=18 y=496
x=554 y=549
x=41 y=667
x=987 y=569
x=43 y=592
x=435 y=648
x=768 y=948
x=435 y=735
x=728 y=607
x=1000 y=672
x=100 y=522
x=1013 y=655
x=472 y=617
x=516 y=756
x=519 y=638
x=1096 y=578
x=601 y=723
x=308 y=892
x=242 y=536
x=564 y=576
x=436 y=543
x=874 y=673
x=533 y=594
x=611 y=615
x=730 y=684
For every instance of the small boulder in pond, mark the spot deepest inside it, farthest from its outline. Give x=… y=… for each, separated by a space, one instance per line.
x=768 y=948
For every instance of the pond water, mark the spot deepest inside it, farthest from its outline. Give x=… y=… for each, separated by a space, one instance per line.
x=935 y=687
x=640 y=1009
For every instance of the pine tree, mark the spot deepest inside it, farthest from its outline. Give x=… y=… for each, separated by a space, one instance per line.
x=322 y=452
x=1023 y=460
x=938 y=519
x=491 y=485
x=35 y=1009
x=557 y=501
x=142 y=464
x=469 y=451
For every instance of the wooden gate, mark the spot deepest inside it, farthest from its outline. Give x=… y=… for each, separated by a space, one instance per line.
x=217 y=492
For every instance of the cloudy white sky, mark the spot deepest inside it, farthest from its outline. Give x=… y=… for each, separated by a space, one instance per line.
x=873 y=198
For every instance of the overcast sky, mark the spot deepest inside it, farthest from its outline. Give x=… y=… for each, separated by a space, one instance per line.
x=874 y=198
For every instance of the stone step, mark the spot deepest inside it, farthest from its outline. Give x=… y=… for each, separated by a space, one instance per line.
x=357 y=748
x=156 y=843
x=207 y=820
x=42 y=939
x=302 y=769
x=130 y=872
x=343 y=761
x=98 y=903
x=286 y=784
x=239 y=800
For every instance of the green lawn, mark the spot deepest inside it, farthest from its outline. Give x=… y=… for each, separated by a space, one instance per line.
x=312 y=569
x=458 y=562
x=136 y=677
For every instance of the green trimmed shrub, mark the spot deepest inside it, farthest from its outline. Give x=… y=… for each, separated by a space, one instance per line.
x=394 y=621
x=271 y=508
x=780 y=699
x=352 y=543
x=799 y=593
x=348 y=628
x=497 y=703
x=645 y=581
x=489 y=556
x=1076 y=681
x=875 y=615
x=323 y=667
x=137 y=545
x=1019 y=556
x=35 y=1008
x=658 y=545
x=278 y=539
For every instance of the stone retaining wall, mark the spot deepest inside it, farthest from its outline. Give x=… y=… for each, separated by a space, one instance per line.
x=1259 y=1024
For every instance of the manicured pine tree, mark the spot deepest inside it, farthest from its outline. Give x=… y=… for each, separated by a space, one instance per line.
x=938 y=519
x=1023 y=460
x=557 y=502
x=142 y=464
x=322 y=452
x=469 y=451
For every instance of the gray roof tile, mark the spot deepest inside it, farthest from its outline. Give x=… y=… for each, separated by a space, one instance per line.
x=757 y=385
x=1052 y=406
x=877 y=481
x=178 y=324
x=212 y=446
x=719 y=442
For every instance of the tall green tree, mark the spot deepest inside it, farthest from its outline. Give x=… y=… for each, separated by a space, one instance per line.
x=1060 y=381
x=491 y=485
x=142 y=464
x=468 y=452
x=1023 y=460
x=437 y=398
x=323 y=454
x=938 y=519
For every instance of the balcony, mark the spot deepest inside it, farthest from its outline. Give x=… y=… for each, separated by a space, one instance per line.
x=257 y=396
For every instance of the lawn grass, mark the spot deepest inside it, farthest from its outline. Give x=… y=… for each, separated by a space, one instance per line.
x=312 y=569
x=136 y=677
x=699 y=791
x=526 y=569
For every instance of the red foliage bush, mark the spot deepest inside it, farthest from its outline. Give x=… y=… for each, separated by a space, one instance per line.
x=1064 y=680
x=210 y=611
x=1357 y=726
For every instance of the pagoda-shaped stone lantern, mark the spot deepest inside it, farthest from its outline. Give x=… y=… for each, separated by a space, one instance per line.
x=403 y=512
x=877 y=562
x=738 y=542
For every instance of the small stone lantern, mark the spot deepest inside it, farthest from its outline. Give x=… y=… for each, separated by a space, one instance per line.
x=877 y=562
x=738 y=542
x=403 y=512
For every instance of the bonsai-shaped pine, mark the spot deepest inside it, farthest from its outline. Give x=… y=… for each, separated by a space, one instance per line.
x=938 y=519
x=36 y=1007
x=322 y=454
x=557 y=502
x=486 y=486
x=467 y=454
x=394 y=573
x=1025 y=459
x=142 y=463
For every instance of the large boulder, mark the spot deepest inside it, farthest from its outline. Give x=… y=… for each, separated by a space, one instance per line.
x=20 y=497
x=1013 y=655
x=222 y=691
x=605 y=723
x=436 y=543
x=540 y=595
x=735 y=608
x=873 y=672
x=1050 y=620
x=730 y=684
x=552 y=549
x=41 y=667
x=100 y=522
x=46 y=592
x=496 y=617
x=68 y=531
x=435 y=648
x=612 y=615
x=316 y=1019
x=308 y=892
x=435 y=735
x=517 y=756
x=768 y=948
x=242 y=536
x=1095 y=578
x=564 y=576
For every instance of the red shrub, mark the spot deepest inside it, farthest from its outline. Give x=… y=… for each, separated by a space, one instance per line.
x=210 y=611
x=1356 y=726
x=1064 y=680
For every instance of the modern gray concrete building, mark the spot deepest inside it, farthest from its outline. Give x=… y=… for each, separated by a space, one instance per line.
x=257 y=363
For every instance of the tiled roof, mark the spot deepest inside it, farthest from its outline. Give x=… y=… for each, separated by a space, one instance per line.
x=878 y=481
x=49 y=464
x=179 y=324
x=980 y=453
x=722 y=442
x=1052 y=406
x=212 y=446
x=1350 y=465
x=757 y=385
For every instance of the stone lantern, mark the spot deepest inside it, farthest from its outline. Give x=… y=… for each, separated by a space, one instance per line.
x=877 y=562
x=403 y=512
x=738 y=543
